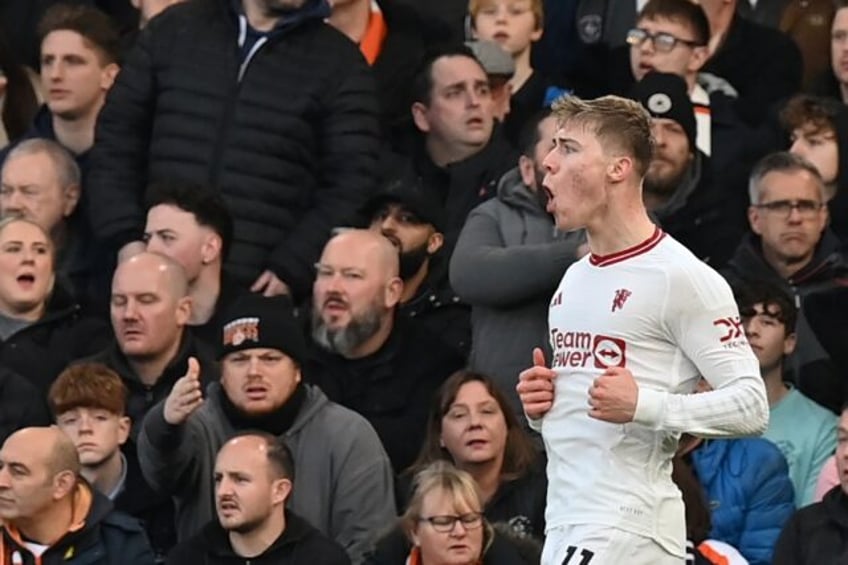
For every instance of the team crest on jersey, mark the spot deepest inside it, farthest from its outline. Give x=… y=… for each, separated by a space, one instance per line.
x=621 y=296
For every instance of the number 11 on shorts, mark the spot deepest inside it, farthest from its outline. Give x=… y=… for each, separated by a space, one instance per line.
x=585 y=555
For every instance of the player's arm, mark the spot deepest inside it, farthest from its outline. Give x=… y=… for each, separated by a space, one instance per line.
x=702 y=318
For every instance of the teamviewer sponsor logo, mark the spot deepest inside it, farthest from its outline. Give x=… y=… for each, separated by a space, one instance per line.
x=577 y=349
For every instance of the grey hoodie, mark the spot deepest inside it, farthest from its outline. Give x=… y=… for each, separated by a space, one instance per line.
x=343 y=479
x=507 y=263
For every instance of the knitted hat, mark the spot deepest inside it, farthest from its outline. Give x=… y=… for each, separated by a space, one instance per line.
x=254 y=320
x=664 y=95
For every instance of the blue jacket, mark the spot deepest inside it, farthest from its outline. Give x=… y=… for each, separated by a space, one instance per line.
x=746 y=483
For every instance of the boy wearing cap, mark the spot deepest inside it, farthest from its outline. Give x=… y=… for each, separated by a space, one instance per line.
x=345 y=486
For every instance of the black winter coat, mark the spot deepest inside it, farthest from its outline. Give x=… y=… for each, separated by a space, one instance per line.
x=286 y=131
x=816 y=534
x=393 y=388
x=299 y=544
x=21 y=405
x=43 y=349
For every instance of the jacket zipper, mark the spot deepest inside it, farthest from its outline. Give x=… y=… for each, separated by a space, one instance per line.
x=229 y=108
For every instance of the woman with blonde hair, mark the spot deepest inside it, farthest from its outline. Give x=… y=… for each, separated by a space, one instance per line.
x=445 y=525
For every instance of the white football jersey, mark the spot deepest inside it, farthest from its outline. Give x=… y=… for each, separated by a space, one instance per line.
x=658 y=311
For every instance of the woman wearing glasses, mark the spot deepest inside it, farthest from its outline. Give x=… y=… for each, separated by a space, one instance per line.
x=444 y=525
x=472 y=426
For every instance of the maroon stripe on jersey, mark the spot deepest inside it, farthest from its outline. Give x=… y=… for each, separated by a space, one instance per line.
x=638 y=249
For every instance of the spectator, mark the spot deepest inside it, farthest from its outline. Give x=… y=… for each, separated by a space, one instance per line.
x=345 y=486
x=50 y=515
x=516 y=26
x=833 y=82
x=19 y=95
x=750 y=495
x=679 y=188
x=79 y=62
x=461 y=153
x=790 y=247
x=763 y=65
x=679 y=35
x=199 y=101
x=471 y=425
x=804 y=431
x=819 y=533
x=411 y=218
x=445 y=523
x=88 y=402
x=193 y=226
x=150 y=308
x=500 y=69
x=254 y=476
x=818 y=127
x=507 y=263
x=391 y=39
x=366 y=358
x=41 y=182
x=41 y=328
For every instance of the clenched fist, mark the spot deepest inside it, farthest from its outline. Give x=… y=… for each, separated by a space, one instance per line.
x=186 y=396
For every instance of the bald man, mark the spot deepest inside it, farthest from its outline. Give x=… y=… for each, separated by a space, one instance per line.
x=365 y=357
x=50 y=515
x=150 y=309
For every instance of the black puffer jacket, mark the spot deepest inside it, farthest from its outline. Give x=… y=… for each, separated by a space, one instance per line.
x=43 y=349
x=284 y=126
x=816 y=534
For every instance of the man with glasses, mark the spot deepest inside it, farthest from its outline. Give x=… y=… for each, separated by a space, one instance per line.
x=791 y=246
x=672 y=36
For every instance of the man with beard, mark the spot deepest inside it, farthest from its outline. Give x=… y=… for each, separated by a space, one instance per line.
x=366 y=357
x=678 y=189
x=345 y=487
x=254 y=477
x=413 y=220
x=507 y=263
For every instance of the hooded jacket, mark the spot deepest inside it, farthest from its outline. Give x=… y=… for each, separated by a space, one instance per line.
x=98 y=536
x=299 y=544
x=816 y=534
x=746 y=483
x=283 y=125
x=507 y=263
x=344 y=478
x=823 y=280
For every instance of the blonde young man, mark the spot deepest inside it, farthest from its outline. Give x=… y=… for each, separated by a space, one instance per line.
x=633 y=326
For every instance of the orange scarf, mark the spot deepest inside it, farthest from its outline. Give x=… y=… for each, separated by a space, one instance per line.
x=371 y=44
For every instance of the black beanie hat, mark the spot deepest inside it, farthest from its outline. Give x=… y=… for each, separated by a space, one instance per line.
x=664 y=95
x=254 y=320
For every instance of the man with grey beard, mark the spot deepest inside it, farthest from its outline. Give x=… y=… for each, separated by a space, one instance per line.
x=363 y=355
